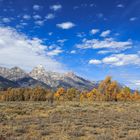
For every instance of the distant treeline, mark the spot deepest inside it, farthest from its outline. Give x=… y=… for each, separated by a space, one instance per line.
x=107 y=90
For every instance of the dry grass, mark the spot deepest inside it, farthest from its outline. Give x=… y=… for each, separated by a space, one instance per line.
x=69 y=121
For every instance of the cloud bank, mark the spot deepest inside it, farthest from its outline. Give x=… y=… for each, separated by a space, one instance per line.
x=108 y=44
x=118 y=60
x=66 y=25
x=17 y=49
x=56 y=7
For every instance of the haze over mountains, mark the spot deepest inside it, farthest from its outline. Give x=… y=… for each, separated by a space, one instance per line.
x=39 y=76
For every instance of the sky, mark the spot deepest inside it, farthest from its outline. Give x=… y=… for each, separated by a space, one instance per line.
x=92 y=38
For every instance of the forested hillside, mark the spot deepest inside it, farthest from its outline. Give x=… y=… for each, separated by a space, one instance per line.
x=107 y=90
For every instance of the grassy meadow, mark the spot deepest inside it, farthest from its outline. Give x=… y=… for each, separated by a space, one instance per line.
x=70 y=121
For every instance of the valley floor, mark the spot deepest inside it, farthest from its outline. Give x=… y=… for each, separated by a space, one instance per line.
x=69 y=121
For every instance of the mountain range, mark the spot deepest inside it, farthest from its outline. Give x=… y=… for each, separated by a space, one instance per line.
x=39 y=76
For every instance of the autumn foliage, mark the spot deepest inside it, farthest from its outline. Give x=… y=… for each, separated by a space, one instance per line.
x=107 y=90
x=26 y=94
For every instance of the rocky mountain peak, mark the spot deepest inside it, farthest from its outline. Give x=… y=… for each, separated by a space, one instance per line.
x=70 y=74
x=13 y=73
x=16 y=73
x=38 y=70
x=40 y=67
x=39 y=76
x=16 y=69
x=4 y=71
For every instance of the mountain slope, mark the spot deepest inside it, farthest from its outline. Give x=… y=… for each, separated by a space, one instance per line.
x=16 y=73
x=4 y=72
x=47 y=79
x=20 y=77
x=5 y=83
x=30 y=82
x=13 y=74
x=55 y=80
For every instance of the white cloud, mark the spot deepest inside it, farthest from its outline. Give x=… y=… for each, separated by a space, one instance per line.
x=117 y=34
x=39 y=22
x=81 y=35
x=109 y=44
x=133 y=18
x=17 y=49
x=105 y=33
x=94 y=31
x=113 y=60
x=95 y=61
x=36 y=7
x=27 y=17
x=66 y=25
x=50 y=16
x=135 y=82
x=120 y=5
x=50 y=33
x=120 y=60
x=105 y=52
x=6 y=20
x=23 y=23
x=19 y=26
x=61 y=40
x=54 y=52
x=73 y=52
x=56 y=7
x=37 y=17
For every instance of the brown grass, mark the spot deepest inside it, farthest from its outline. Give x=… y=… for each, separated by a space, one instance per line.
x=69 y=121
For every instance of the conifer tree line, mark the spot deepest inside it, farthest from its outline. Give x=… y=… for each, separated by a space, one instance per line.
x=107 y=90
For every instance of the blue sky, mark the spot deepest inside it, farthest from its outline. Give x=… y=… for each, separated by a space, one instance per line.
x=93 y=38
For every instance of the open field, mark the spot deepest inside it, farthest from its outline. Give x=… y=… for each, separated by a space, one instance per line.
x=70 y=120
